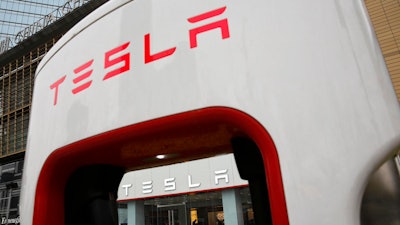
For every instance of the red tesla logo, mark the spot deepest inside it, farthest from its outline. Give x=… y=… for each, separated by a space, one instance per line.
x=118 y=60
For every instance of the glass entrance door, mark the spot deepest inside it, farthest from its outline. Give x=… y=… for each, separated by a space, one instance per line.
x=172 y=214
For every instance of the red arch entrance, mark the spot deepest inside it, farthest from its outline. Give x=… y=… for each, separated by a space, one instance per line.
x=185 y=136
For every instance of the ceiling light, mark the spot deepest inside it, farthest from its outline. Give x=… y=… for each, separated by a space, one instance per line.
x=160 y=156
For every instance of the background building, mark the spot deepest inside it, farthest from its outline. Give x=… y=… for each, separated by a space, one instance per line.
x=29 y=28
x=385 y=17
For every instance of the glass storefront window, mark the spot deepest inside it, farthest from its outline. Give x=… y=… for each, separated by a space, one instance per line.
x=204 y=208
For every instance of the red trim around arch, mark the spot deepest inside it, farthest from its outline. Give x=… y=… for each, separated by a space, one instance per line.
x=111 y=148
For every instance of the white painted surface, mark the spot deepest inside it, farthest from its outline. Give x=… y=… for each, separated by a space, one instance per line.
x=310 y=72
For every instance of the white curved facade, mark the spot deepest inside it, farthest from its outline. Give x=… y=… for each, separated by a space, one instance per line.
x=312 y=77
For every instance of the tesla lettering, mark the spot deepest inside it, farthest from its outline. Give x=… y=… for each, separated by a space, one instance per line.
x=117 y=61
x=171 y=185
x=147 y=187
x=126 y=187
x=221 y=174
x=191 y=185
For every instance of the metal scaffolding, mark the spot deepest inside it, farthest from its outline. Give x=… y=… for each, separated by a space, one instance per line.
x=16 y=84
